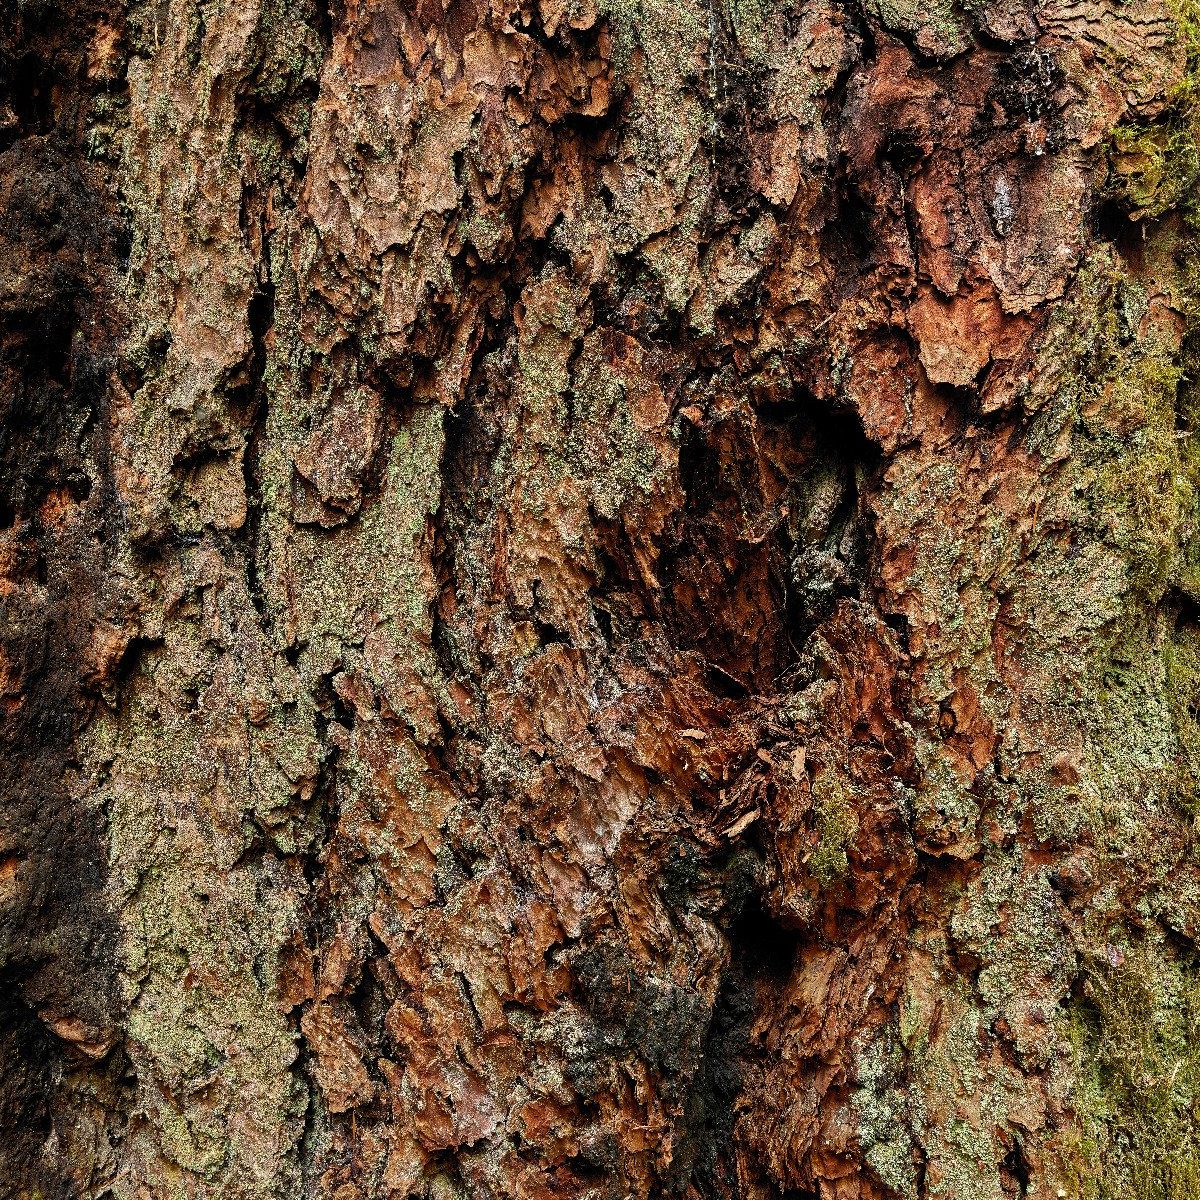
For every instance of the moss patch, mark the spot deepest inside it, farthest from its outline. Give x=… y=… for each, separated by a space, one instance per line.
x=1155 y=165
x=836 y=826
x=1135 y=1035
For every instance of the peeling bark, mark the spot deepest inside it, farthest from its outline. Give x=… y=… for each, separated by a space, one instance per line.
x=600 y=599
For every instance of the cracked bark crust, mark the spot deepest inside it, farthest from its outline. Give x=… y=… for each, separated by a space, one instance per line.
x=600 y=599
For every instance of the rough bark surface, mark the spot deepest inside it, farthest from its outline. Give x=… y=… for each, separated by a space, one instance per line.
x=601 y=598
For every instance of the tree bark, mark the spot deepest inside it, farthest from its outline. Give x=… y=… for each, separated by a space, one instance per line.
x=601 y=598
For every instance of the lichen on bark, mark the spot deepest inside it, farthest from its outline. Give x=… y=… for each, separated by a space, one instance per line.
x=600 y=599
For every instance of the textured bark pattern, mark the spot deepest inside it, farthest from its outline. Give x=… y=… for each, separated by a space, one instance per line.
x=601 y=599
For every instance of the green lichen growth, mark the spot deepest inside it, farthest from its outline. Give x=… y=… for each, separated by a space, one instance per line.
x=924 y=1090
x=1135 y=1037
x=879 y=1107
x=936 y=28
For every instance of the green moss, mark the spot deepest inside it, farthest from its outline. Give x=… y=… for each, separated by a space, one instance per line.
x=1155 y=166
x=836 y=825
x=1143 y=479
x=1135 y=1037
x=1181 y=657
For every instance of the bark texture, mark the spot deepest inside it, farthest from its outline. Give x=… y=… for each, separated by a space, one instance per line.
x=601 y=599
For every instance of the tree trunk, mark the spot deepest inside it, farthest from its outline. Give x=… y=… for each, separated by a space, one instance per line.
x=601 y=599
